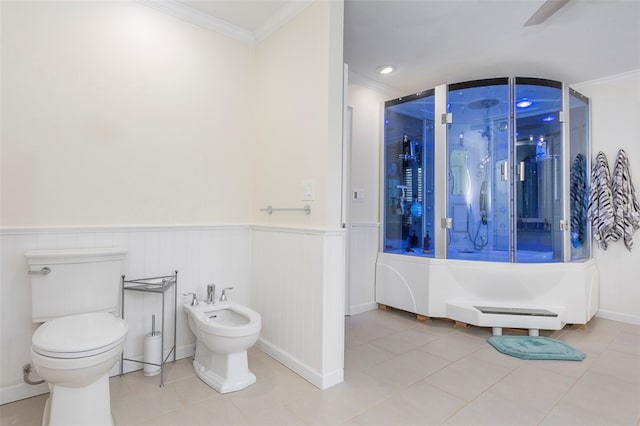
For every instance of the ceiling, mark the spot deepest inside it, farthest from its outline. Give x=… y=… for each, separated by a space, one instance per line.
x=432 y=42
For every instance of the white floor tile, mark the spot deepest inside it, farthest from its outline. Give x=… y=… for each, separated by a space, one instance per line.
x=454 y=346
x=607 y=397
x=420 y=403
x=467 y=378
x=490 y=409
x=408 y=368
x=399 y=371
x=537 y=388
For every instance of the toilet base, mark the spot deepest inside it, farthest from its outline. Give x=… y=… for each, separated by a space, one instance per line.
x=225 y=373
x=89 y=405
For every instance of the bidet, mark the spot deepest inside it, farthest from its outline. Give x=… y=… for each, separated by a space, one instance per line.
x=224 y=332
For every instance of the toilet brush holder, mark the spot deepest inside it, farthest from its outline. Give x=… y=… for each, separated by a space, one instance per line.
x=152 y=351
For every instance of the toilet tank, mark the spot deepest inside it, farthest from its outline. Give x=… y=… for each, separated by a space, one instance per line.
x=74 y=281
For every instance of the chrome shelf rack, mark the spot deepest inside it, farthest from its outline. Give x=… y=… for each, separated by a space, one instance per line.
x=159 y=285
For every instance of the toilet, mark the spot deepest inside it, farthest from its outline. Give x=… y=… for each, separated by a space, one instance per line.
x=74 y=294
x=224 y=331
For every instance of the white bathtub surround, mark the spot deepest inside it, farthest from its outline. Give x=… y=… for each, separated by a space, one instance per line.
x=453 y=289
x=297 y=286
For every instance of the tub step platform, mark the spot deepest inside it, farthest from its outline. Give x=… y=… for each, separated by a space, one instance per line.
x=498 y=316
x=516 y=311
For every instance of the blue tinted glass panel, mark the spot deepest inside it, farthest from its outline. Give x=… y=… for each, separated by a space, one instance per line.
x=408 y=175
x=477 y=152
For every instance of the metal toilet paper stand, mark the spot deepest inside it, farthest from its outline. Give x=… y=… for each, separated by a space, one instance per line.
x=158 y=285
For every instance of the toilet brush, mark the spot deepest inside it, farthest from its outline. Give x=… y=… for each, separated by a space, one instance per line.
x=152 y=350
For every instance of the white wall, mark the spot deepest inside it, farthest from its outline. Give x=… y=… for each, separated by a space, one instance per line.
x=367 y=103
x=299 y=106
x=300 y=295
x=298 y=260
x=113 y=113
x=125 y=126
x=615 y=108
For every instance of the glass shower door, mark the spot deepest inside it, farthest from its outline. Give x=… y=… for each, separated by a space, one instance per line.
x=409 y=175
x=538 y=164
x=477 y=154
x=579 y=176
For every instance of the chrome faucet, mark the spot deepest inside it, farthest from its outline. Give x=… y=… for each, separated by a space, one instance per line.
x=194 y=300
x=223 y=296
x=211 y=294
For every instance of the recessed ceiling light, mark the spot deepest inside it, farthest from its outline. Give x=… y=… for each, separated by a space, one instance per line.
x=524 y=103
x=385 y=69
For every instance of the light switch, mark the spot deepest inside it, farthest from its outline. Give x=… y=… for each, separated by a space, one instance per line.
x=307 y=190
x=358 y=195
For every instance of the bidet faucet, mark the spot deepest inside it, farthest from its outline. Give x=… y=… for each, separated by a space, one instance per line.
x=194 y=300
x=223 y=296
x=211 y=294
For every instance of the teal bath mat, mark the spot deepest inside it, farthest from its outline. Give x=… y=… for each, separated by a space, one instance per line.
x=535 y=347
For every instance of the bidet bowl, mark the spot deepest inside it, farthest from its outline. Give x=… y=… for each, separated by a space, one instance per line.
x=225 y=327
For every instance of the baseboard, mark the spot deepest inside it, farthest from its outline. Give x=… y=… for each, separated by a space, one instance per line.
x=615 y=316
x=22 y=390
x=312 y=376
x=363 y=307
x=331 y=379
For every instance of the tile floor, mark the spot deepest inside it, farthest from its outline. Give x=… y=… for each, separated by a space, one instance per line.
x=399 y=371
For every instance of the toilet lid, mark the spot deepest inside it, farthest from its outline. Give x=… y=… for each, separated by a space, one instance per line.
x=77 y=336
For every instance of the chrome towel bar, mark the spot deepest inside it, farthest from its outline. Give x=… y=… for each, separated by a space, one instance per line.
x=44 y=271
x=306 y=209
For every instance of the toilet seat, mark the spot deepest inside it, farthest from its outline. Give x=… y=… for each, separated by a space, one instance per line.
x=79 y=336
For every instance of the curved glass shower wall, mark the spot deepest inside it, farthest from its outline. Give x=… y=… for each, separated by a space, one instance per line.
x=408 y=175
x=514 y=176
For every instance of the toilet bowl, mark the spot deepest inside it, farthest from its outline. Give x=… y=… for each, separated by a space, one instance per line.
x=74 y=293
x=74 y=355
x=224 y=331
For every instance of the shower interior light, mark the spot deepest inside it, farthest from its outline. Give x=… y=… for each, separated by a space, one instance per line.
x=548 y=118
x=385 y=69
x=524 y=103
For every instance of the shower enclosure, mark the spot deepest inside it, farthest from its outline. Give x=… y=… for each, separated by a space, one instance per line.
x=485 y=188
x=515 y=177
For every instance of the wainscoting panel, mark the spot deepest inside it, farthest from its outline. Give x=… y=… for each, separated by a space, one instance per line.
x=297 y=285
x=201 y=254
x=364 y=241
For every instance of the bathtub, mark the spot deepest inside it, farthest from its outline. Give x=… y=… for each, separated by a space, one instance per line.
x=455 y=289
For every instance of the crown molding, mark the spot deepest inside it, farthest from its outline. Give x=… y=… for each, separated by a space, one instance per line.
x=200 y=19
x=361 y=80
x=607 y=79
x=280 y=18
x=189 y=14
